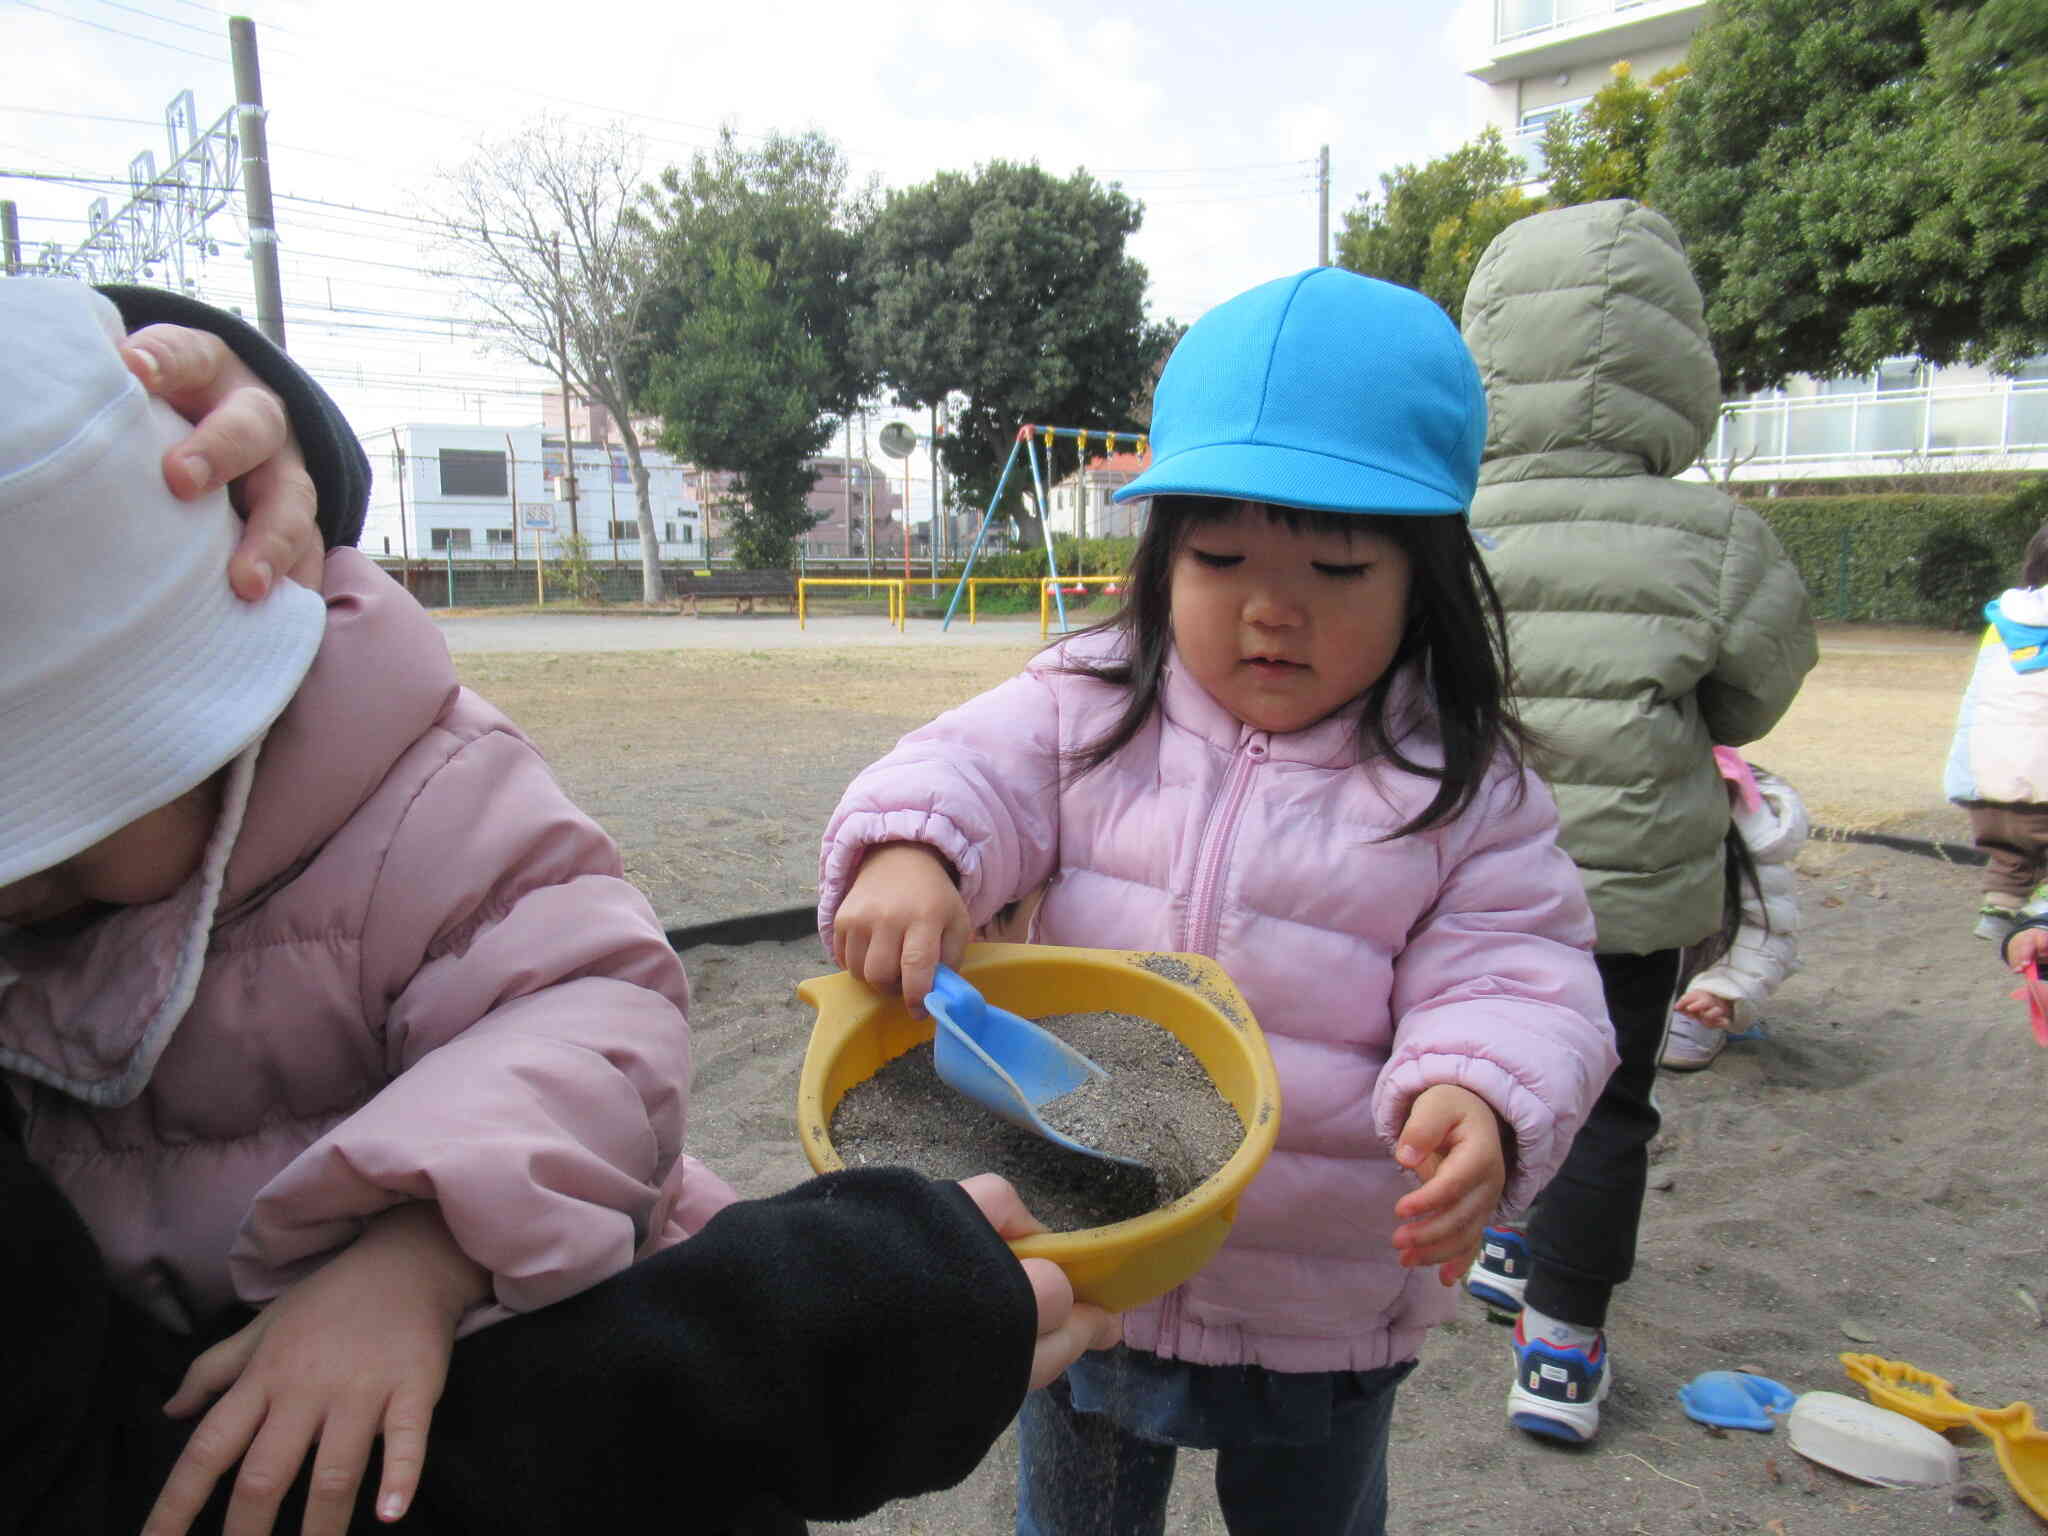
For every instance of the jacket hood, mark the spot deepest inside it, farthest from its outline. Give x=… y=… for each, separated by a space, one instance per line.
x=1589 y=332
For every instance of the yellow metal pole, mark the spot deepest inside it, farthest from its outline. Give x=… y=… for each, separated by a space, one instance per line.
x=801 y=593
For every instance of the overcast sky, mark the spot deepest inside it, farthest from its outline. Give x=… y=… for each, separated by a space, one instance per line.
x=1211 y=114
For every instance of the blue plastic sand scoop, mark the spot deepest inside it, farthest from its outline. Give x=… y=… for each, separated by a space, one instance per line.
x=1736 y=1400
x=1005 y=1063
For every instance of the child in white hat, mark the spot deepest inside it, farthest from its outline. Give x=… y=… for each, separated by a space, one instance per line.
x=318 y=996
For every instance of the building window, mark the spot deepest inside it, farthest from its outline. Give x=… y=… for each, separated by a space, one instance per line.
x=498 y=535
x=624 y=532
x=1530 y=132
x=472 y=472
x=449 y=538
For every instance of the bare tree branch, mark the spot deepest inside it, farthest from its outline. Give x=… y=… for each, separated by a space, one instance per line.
x=539 y=240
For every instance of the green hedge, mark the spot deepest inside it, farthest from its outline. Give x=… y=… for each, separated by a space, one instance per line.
x=1907 y=559
x=1076 y=557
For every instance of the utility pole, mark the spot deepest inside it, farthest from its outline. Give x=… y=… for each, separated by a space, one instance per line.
x=1323 y=207
x=867 y=492
x=256 y=178
x=404 y=537
x=512 y=496
x=846 y=477
x=568 y=436
x=10 y=240
x=932 y=444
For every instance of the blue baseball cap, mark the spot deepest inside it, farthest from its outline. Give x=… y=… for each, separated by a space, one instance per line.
x=1324 y=390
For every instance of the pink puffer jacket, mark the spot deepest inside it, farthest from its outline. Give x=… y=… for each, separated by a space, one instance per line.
x=425 y=977
x=1376 y=969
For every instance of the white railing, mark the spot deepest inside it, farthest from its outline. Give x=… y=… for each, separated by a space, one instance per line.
x=2002 y=417
x=1514 y=20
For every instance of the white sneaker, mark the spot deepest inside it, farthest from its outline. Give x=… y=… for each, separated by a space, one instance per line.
x=1690 y=1045
x=1996 y=923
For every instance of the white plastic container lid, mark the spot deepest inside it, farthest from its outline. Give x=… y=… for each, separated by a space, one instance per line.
x=1872 y=1444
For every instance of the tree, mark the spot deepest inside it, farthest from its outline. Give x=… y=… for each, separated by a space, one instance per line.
x=540 y=239
x=1433 y=221
x=1862 y=179
x=1010 y=288
x=1603 y=150
x=751 y=337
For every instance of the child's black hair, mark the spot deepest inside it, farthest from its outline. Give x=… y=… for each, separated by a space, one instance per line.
x=2034 y=563
x=1455 y=639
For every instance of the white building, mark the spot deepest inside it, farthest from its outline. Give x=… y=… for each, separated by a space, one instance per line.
x=1548 y=57
x=483 y=493
x=1083 y=500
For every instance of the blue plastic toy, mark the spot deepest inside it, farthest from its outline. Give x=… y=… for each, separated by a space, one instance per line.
x=1005 y=1063
x=1736 y=1400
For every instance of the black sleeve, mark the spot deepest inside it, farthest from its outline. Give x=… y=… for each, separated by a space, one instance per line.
x=863 y=1337
x=334 y=458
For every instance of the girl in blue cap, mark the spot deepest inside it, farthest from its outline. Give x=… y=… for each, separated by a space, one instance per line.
x=1292 y=750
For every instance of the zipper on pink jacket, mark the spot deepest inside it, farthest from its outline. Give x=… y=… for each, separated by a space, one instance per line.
x=1214 y=853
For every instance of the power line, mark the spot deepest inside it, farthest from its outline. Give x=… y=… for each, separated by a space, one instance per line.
x=211 y=58
x=1195 y=170
x=169 y=21
x=88 y=117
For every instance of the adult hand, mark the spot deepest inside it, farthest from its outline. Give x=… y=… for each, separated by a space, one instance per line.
x=1452 y=1141
x=1067 y=1329
x=357 y=1349
x=900 y=919
x=242 y=440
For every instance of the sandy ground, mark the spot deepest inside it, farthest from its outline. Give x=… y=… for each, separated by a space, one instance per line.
x=1873 y=1165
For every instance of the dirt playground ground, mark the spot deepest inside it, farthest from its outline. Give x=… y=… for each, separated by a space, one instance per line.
x=1870 y=1177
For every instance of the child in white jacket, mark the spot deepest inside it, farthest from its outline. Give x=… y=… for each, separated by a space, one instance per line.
x=1745 y=966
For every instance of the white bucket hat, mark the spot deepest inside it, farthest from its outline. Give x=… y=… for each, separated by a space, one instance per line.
x=129 y=672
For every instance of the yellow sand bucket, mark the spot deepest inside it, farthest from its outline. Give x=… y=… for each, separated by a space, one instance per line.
x=1122 y=1265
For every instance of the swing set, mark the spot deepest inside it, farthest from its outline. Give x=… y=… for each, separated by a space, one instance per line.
x=1035 y=444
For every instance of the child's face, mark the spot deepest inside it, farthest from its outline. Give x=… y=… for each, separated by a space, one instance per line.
x=145 y=861
x=1284 y=627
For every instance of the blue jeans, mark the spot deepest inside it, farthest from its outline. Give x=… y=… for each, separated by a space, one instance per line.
x=1299 y=1454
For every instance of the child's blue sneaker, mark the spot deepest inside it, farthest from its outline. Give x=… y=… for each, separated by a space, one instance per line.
x=1557 y=1389
x=1501 y=1272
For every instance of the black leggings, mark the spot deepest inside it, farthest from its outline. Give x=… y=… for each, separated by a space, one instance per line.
x=1582 y=1231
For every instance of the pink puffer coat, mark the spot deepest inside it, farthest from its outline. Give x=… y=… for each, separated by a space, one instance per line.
x=1375 y=969
x=425 y=977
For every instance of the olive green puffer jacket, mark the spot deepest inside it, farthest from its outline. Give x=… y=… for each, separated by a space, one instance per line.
x=1648 y=620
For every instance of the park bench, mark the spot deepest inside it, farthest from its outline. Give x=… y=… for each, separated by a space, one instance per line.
x=743 y=587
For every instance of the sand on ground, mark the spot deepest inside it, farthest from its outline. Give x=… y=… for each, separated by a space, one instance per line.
x=1873 y=1168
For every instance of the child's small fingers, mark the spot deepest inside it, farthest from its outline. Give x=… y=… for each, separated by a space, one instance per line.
x=338 y=1464
x=405 y=1453
x=214 y=1447
x=927 y=944
x=212 y=1373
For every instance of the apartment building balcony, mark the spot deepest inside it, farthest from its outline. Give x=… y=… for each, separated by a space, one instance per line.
x=1535 y=37
x=1901 y=419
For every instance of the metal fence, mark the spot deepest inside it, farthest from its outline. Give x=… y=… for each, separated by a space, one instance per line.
x=2000 y=419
